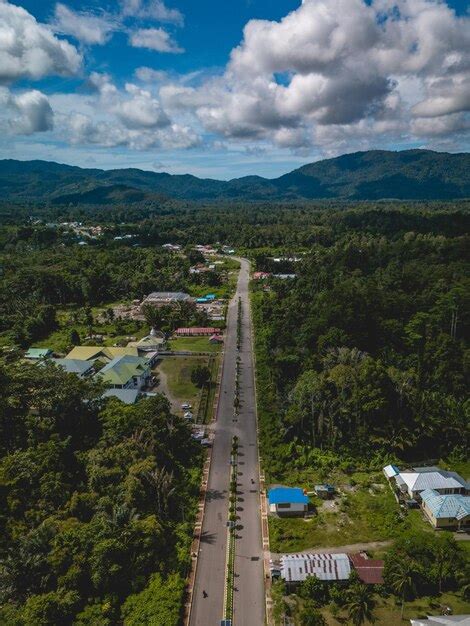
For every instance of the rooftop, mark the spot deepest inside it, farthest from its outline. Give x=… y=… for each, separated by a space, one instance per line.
x=446 y=506
x=38 y=353
x=73 y=366
x=281 y=495
x=441 y=620
x=90 y=353
x=128 y=396
x=441 y=479
x=168 y=295
x=297 y=567
x=121 y=369
x=370 y=571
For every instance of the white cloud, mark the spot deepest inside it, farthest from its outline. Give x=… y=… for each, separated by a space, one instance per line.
x=360 y=71
x=30 y=50
x=26 y=113
x=149 y=75
x=83 y=26
x=154 y=39
x=152 y=9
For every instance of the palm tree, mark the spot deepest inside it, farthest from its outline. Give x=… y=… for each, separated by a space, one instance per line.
x=360 y=604
x=401 y=581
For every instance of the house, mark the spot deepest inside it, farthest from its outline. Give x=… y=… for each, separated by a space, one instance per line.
x=446 y=511
x=324 y=491
x=74 y=366
x=216 y=339
x=197 y=332
x=128 y=396
x=390 y=471
x=287 y=501
x=164 y=298
x=261 y=275
x=149 y=345
x=442 y=620
x=36 y=354
x=126 y=372
x=103 y=353
x=444 y=482
x=370 y=571
x=295 y=568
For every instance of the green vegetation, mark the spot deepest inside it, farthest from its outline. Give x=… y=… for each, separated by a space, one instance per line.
x=376 y=174
x=98 y=502
x=177 y=371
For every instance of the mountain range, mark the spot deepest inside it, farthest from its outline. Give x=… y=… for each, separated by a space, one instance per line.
x=371 y=175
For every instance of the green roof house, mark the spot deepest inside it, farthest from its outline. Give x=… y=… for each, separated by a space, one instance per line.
x=36 y=354
x=126 y=372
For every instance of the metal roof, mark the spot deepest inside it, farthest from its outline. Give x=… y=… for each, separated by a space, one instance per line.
x=297 y=567
x=128 y=396
x=416 y=481
x=38 y=353
x=168 y=295
x=391 y=470
x=441 y=620
x=446 y=506
x=282 y=495
x=121 y=369
x=370 y=571
x=73 y=366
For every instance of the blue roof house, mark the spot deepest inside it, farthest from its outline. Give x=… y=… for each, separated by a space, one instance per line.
x=287 y=501
x=446 y=511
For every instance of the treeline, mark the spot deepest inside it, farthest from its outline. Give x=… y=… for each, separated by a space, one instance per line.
x=34 y=281
x=366 y=351
x=97 y=503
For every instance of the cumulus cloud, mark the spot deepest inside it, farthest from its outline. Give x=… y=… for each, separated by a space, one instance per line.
x=153 y=9
x=156 y=39
x=27 y=112
x=149 y=75
x=84 y=26
x=351 y=70
x=30 y=50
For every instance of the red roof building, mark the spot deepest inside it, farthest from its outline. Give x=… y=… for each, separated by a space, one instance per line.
x=197 y=332
x=370 y=571
x=260 y=275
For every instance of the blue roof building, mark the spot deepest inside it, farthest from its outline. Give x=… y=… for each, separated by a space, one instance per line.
x=451 y=510
x=287 y=501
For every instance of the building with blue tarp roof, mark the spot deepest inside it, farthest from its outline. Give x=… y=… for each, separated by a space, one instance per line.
x=287 y=501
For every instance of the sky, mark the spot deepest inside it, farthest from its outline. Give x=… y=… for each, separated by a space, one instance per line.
x=229 y=89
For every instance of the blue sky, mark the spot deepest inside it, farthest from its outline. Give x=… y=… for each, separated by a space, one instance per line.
x=180 y=86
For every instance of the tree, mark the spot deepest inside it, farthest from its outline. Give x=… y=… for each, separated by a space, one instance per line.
x=360 y=604
x=311 y=616
x=401 y=579
x=74 y=337
x=314 y=589
x=158 y=604
x=200 y=376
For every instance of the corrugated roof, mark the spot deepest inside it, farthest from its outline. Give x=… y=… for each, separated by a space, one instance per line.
x=442 y=620
x=297 y=567
x=432 y=480
x=73 y=366
x=370 y=571
x=391 y=470
x=88 y=353
x=128 y=396
x=168 y=295
x=446 y=506
x=120 y=370
x=38 y=353
x=281 y=495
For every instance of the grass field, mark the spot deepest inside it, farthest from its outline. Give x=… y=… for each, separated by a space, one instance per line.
x=177 y=371
x=362 y=514
x=194 y=344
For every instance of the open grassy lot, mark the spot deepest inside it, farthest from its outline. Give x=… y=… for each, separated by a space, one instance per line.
x=361 y=513
x=175 y=380
x=194 y=344
x=387 y=612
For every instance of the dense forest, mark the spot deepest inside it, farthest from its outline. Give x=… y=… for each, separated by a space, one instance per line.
x=97 y=503
x=365 y=352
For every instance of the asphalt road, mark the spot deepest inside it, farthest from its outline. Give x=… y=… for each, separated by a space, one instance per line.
x=210 y=575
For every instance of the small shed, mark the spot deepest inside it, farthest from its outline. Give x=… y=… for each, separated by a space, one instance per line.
x=287 y=501
x=390 y=471
x=325 y=491
x=36 y=354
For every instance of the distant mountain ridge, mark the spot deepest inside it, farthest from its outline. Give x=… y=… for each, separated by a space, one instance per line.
x=372 y=175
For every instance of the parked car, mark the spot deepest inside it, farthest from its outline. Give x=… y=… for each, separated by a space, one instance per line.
x=188 y=415
x=186 y=405
x=206 y=443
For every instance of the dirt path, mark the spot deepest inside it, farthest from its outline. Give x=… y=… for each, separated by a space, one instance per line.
x=352 y=547
x=162 y=387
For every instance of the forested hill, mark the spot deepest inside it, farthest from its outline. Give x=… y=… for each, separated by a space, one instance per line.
x=373 y=175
